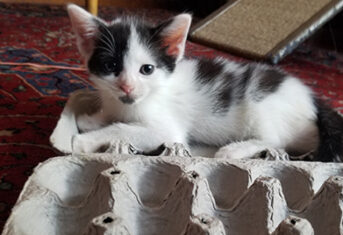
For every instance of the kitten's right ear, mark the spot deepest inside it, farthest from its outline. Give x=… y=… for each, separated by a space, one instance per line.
x=85 y=27
x=174 y=33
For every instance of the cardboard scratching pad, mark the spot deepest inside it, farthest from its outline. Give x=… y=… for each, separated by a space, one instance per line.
x=264 y=29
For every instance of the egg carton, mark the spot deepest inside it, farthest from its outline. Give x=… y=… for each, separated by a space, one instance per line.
x=122 y=193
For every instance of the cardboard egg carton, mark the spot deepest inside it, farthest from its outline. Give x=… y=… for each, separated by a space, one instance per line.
x=122 y=193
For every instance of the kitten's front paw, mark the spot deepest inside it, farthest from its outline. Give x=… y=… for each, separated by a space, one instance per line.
x=61 y=137
x=231 y=151
x=84 y=144
x=87 y=123
x=239 y=150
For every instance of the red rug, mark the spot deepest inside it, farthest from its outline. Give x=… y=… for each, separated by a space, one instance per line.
x=31 y=99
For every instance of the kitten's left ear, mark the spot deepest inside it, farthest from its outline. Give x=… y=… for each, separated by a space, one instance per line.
x=174 y=35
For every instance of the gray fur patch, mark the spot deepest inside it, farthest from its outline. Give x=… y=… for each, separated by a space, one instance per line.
x=126 y=99
x=208 y=70
x=233 y=89
x=268 y=83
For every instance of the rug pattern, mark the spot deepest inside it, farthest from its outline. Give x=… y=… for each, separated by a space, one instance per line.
x=32 y=99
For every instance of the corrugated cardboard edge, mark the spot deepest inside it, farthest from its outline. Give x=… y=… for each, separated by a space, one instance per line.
x=283 y=48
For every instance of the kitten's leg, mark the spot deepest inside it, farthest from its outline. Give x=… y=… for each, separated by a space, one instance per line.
x=86 y=123
x=142 y=137
x=243 y=149
x=64 y=131
x=203 y=151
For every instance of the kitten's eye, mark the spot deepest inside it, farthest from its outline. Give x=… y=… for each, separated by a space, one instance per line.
x=147 y=69
x=110 y=67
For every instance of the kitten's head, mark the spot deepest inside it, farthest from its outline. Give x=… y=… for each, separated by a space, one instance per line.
x=126 y=56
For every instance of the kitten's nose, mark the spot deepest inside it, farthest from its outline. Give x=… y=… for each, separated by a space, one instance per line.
x=126 y=88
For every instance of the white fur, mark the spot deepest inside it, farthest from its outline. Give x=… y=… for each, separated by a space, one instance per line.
x=65 y=129
x=170 y=108
x=177 y=108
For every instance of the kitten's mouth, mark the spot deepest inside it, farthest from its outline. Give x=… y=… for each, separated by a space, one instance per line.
x=127 y=99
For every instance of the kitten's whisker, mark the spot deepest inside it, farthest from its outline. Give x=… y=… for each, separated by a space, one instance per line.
x=108 y=51
x=105 y=51
x=113 y=41
x=152 y=36
x=110 y=47
x=110 y=43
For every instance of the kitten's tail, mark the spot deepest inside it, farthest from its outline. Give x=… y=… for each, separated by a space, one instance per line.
x=330 y=125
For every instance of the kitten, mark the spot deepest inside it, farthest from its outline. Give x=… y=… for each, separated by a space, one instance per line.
x=150 y=94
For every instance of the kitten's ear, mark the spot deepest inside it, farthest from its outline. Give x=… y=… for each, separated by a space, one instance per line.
x=85 y=27
x=174 y=34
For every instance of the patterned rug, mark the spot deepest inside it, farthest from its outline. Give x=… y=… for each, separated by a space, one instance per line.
x=31 y=98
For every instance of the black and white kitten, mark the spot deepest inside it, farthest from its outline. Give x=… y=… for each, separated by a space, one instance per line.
x=151 y=95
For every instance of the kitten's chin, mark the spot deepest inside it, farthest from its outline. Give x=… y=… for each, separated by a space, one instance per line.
x=127 y=99
x=131 y=99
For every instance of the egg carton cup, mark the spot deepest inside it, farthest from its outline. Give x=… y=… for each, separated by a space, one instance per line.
x=121 y=193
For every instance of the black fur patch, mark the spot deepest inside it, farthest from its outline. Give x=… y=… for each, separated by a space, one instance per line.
x=233 y=89
x=225 y=96
x=151 y=36
x=269 y=82
x=330 y=125
x=208 y=70
x=211 y=72
x=242 y=83
x=110 y=47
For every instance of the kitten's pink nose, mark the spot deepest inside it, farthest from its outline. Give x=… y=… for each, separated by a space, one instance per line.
x=126 y=88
